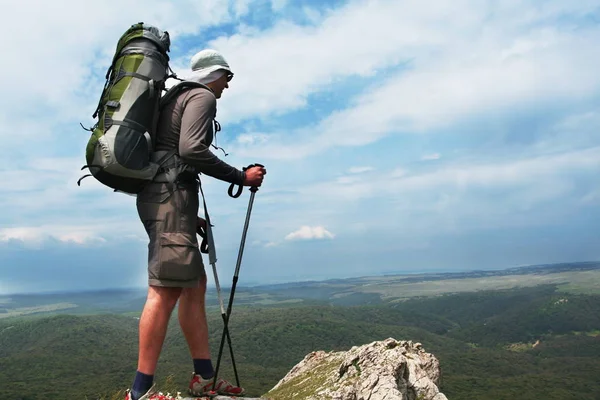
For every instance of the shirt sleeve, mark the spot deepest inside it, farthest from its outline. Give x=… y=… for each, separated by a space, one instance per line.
x=196 y=135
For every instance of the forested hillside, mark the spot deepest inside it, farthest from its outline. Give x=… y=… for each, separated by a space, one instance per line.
x=521 y=344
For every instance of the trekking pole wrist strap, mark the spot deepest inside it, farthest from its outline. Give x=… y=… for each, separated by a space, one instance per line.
x=241 y=187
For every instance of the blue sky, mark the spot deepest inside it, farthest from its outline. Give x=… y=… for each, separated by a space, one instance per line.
x=399 y=136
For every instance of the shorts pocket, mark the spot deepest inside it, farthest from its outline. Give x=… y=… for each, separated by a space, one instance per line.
x=179 y=257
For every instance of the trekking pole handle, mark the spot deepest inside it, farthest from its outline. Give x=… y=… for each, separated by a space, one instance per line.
x=241 y=187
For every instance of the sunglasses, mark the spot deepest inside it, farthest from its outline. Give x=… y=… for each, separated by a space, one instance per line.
x=229 y=76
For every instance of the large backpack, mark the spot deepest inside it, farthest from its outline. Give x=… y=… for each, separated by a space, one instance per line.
x=118 y=153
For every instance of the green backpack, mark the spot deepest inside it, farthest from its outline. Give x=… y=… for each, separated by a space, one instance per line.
x=118 y=153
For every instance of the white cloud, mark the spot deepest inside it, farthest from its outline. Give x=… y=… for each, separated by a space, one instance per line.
x=347 y=179
x=498 y=174
x=428 y=157
x=252 y=138
x=451 y=196
x=278 y=5
x=46 y=188
x=37 y=235
x=319 y=56
x=591 y=198
x=398 y=172
x=241 y=7
x=513 y=172
x=471 y=65
x=452 y=72
x=360 y=170
x=62 y=79
x=579 y=130
x=310 y=232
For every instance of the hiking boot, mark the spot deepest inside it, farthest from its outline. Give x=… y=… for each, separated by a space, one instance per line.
x=153 y=395
x=204 y=387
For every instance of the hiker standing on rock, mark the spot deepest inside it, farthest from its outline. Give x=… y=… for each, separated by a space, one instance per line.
x=169 y=213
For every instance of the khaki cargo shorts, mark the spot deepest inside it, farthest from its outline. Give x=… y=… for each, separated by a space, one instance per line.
x=169 y=218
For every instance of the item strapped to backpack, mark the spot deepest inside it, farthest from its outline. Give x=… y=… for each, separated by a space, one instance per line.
x=118 y=151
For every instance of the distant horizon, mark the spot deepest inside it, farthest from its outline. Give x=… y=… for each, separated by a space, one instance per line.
x=241 y=285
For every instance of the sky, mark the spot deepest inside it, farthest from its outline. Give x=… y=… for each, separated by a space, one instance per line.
x=399 y=137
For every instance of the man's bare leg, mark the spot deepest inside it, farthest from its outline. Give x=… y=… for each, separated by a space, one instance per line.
x=192 y=319
x=153 y=325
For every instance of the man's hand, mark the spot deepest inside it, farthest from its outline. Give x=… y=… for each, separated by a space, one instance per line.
x=255 y=176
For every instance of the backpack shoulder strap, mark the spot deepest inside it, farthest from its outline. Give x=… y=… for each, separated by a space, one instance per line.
x=174 y=91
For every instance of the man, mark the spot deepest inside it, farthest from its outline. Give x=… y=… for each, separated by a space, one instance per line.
x=169 y=214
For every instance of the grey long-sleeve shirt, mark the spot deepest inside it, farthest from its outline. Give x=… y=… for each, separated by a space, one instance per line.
x=186 y=123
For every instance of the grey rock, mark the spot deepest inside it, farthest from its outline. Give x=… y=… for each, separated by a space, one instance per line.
x=180 y=396
x=382 y=370
x=224 y=398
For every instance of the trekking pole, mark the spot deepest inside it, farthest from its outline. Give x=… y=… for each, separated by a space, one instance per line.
x=253 y=190
x=208 y=246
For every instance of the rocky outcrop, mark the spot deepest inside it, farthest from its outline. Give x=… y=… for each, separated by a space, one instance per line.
x=218 y=398
x=383 y=370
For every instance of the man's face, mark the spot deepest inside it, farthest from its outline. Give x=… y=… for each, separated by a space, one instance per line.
x=220 y=84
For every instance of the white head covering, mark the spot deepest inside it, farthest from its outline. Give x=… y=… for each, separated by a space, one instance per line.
x=208 y=66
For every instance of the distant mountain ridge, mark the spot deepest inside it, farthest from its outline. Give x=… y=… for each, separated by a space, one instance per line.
x=345 y=292
x=434 y=276
x=408 y=277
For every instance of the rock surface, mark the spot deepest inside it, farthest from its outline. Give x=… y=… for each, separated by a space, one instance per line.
x=383 y=370
x=223 y=398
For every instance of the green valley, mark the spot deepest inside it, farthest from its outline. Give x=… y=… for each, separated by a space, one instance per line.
x=525 y=342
